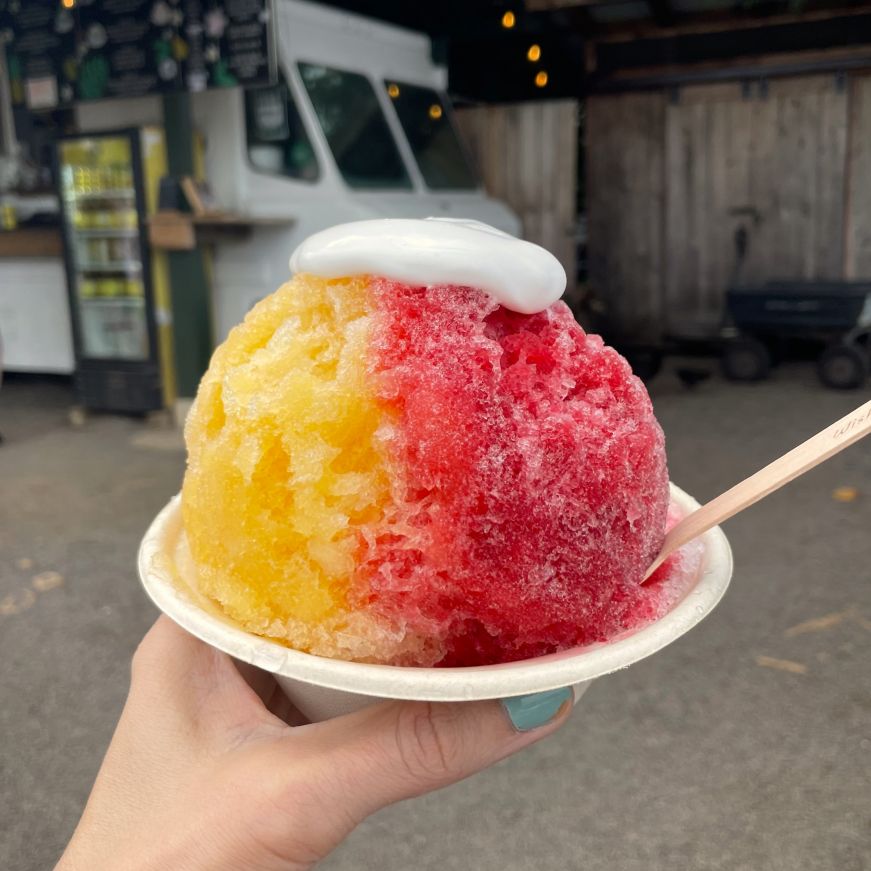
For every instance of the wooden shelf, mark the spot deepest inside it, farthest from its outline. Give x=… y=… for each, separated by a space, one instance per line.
x=183 y=231
x=231 y=219
x=31 y=242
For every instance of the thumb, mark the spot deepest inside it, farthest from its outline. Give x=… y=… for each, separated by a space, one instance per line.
x=398 y=750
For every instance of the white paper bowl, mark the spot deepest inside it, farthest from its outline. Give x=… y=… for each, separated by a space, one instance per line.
x=323 y=688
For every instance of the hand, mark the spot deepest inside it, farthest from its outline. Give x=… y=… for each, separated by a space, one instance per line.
x=211 y=768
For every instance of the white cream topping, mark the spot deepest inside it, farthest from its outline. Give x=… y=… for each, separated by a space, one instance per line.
x=520 y=275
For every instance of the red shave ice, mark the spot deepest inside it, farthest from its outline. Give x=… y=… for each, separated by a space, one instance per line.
x=534 y=491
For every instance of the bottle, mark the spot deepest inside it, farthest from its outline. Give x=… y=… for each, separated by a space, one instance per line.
x=8 y=215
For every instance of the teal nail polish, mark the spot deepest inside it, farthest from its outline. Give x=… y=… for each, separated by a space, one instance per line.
x=530 y=712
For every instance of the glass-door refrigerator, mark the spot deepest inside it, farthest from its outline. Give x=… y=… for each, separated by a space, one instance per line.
x=118 y=287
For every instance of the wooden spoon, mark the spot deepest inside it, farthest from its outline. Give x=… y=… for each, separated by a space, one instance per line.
x=818 y=449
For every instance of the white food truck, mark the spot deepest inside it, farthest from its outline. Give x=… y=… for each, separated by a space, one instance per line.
x=358 y=126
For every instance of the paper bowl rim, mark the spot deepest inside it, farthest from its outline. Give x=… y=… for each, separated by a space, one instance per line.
x=433 y=684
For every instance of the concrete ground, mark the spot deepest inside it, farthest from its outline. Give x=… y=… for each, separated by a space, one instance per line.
x=744 y=746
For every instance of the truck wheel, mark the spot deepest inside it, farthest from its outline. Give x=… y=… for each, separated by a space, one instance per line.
x=746 y=359
x=843 y=367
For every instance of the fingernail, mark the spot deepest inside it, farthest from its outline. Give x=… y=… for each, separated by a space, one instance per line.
x=531 y=712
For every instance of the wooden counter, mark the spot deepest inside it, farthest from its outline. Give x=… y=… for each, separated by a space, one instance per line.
x=31 y=242
x=170 y=230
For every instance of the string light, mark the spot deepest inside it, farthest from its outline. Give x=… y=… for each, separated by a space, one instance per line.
x=393 y=90
x=533 y=53
x=435 y=111
x=540 y=79
x=509 y=20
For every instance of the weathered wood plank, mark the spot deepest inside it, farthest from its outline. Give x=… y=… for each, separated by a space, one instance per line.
x=698 y=125
x=527 y=154
x=727 y=152
x=624 y=205
x=669 y=182
x=796 y=182
x=739 y=161
x=764 y=159
x=828 y=256
x=857 y=259
x=565 y=180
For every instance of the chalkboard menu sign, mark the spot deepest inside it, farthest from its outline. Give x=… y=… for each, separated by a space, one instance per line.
x=62 y=51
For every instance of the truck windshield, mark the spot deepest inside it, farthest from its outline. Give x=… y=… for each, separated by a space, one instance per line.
x=426 y=120
x=355 y=127
x=277 y=141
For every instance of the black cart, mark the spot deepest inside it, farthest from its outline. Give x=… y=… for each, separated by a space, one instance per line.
x=836 y=314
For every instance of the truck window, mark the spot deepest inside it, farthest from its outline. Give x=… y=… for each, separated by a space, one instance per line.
x=426 y=119
x=355 y=127
x=277 y=141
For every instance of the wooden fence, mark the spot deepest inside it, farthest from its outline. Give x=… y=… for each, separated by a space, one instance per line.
x=527 y=154
x=670 y=177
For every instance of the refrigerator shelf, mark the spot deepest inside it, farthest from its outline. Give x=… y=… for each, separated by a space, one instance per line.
x=124 y=267
x=110 y=232
x=87 y=196
x=135 y=301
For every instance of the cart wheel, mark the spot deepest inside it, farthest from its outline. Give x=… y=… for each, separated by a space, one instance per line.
x=746 y=359
x=843 y=367
x=645 y=364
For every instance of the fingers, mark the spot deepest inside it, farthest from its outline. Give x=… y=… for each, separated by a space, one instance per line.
x=169 y=651
x=398 y=750
x=172 y=663
x=176 y=668
x=185 y=685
